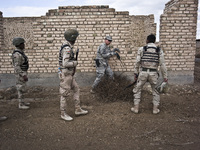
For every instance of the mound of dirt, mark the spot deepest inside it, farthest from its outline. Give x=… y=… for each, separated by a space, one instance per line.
x=109 y=90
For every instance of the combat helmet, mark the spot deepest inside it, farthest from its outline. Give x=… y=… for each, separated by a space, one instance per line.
x=109 y=38
x=18 y=40
x=71 y=35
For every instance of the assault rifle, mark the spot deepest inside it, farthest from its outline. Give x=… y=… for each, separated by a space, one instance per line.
x=132 y=84
x=76 y=60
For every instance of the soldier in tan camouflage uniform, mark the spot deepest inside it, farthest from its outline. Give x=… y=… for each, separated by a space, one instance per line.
x=149 y=58
x=21 y=65
x=67 y=65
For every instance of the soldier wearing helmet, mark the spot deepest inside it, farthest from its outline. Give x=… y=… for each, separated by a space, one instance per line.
x=21 y=65
x=102 y=67
x=149 y=58
x=67 y=65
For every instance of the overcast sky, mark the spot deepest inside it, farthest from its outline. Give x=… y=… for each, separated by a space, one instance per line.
x=24 y=8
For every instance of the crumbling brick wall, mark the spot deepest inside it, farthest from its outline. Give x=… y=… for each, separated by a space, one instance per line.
x=1 y=31
x=178 y=26
x=18 y=26
x=198 y=48
x=44 y=36
x=141 y=26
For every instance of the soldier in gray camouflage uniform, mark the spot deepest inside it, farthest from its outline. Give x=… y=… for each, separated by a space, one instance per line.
x=149 y=58
x=102 y=67
x=21 y=65
x=67 y=67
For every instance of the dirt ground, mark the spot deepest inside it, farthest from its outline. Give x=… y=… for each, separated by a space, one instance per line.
x=108 y=126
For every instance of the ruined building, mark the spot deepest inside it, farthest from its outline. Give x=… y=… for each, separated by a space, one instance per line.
x=44 y=36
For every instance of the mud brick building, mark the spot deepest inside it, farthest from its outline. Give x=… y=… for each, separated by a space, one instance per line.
x=44 y=36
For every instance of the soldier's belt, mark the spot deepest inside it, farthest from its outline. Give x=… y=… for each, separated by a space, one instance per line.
x=148 y=69
x=68 y=68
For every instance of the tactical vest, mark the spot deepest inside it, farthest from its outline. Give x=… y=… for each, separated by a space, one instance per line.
x=25 y=65
x=150 y=58
x=61 y=56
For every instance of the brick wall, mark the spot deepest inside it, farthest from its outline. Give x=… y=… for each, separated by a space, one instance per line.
x=178 y=26
x=18 y=27
x=1 y=31
x=44 y=36
x=141 y=26
x=198 y=47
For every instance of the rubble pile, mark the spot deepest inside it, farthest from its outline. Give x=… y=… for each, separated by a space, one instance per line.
x=109 y=90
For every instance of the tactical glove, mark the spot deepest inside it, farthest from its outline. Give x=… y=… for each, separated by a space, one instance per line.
x=116 y=50
x=113 y=53
x=75 y=63
x=118 y=57
x=25 y=78
x=135 y=77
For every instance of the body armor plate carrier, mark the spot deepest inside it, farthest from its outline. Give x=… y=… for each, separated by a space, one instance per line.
x=25 y=65
x=60 y=56
x=150 y=59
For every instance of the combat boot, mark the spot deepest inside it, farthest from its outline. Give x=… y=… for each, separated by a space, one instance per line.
x=80 y=111
x=3 y=118
x=155 y=109
x=65 y=116
x=135 y=109
x=23 y=106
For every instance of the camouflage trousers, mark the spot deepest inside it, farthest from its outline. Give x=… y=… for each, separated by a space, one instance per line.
x=100 y=72
x=152 y=78
x=21 y=88
x=68 y=83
